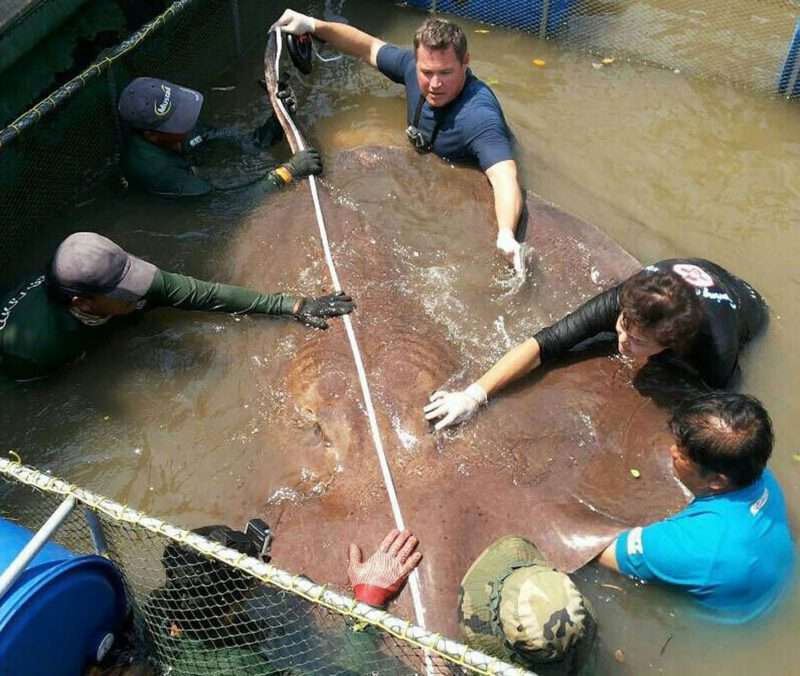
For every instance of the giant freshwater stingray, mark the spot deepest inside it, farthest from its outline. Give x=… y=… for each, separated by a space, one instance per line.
x=568 y=458
x=550 y=459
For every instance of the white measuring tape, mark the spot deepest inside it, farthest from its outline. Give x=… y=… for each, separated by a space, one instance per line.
x=413 y=581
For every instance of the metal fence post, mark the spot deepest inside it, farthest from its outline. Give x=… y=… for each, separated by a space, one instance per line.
x=39 y=540
x=545 y=17
x=237 y=27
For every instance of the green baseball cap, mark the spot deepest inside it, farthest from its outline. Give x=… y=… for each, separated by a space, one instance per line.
x=515 y=606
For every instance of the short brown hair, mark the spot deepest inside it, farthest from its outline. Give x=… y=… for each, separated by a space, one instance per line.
x=725 y=432
x=441 y=34
x=664 y=304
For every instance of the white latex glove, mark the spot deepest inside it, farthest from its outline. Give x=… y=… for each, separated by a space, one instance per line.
x=295 y=23
x=511 y=249
x=454 y=407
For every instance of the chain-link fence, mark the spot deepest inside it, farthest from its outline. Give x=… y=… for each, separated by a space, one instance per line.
x=201 y=608
x=749 y=43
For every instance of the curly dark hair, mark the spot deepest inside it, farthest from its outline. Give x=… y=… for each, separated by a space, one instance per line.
x=725 y=432
x=441 y=34
x=663 y=304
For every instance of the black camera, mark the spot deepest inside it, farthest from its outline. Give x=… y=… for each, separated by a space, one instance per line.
x=418 y=139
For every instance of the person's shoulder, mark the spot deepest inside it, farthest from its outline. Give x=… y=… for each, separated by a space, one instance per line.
x=478 y=95
x=31 y=290
x=395 y=62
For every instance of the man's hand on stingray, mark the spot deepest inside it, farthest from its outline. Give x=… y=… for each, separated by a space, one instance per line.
x=313 y=311
x=454 y=407
x=511 y=249
x=295 y=23
x=380 y=578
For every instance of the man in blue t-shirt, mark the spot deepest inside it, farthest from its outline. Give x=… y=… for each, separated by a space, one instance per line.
x=450 y=111
x=731 y=548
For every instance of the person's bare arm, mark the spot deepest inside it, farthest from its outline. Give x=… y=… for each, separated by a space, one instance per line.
x=608 y=557
x=450 y=408
x=340 y=36
x=514 y=364
x=507 y=204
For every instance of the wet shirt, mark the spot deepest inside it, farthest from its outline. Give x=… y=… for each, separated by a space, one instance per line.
x=733 y=312
x=159 y=171
x=38 y=334
x=471 y=128
x=732 y=552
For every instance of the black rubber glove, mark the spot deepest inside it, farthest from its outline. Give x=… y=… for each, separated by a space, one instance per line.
x=314 y=310
x=304 y=163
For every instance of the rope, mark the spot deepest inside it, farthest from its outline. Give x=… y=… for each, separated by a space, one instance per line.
x=413 y=582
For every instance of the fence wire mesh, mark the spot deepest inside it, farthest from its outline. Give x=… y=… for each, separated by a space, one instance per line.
x=748 y=43
x=202 y=608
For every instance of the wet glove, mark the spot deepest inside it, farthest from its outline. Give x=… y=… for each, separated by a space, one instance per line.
x=511 y=249
x=378 y=580
x=454 y=407
x=304 y=163
x=312 y=311
x=295 y=23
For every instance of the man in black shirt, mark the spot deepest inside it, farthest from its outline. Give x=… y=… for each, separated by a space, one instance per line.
x=690 y=308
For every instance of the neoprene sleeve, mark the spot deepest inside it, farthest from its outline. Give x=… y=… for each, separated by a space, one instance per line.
x=170 y=289
x=596 y=315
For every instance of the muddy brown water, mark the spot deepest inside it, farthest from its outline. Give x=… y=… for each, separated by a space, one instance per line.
x=172 y=415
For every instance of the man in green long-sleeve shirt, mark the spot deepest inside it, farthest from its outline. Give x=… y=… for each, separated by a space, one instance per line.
x=163 y=121
x=51 y=320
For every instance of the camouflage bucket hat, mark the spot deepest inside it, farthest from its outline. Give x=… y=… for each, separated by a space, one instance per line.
x=515 y=606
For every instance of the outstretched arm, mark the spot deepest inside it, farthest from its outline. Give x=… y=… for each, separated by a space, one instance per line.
x=597 y=315
x=340 y=36
x=507 y=205
x=455 y=407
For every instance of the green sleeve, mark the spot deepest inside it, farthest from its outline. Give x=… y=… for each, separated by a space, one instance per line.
x=187 y=293
x=273 y=182
x=178 y=182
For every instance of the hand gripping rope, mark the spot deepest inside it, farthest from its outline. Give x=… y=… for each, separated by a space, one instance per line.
x=297 y=143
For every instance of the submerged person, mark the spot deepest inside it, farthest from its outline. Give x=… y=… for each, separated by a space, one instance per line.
x=731 y=548
x=164 y=121
x=91 y=284
x=450 y=111
x=689 y=309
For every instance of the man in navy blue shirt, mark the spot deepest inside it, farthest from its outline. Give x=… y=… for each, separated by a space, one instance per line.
x=731 y=548
x=450 y=111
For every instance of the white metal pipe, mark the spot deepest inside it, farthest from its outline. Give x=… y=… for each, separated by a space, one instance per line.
x=29 y=551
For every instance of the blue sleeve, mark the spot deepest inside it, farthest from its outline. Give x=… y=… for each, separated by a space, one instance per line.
x=678 y=551
x=394 y=62
x=491 y=144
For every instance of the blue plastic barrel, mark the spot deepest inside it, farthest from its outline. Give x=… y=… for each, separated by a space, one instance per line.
x=526 y=16
x=57 y=614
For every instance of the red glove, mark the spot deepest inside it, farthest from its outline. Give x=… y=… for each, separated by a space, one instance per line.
x=378 y=580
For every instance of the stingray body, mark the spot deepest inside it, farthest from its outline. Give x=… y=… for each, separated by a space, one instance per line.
x=549 y=459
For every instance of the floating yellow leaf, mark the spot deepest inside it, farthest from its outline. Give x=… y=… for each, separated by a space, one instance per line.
x=106 y=417
x=796 y=457
x=608 y=59
x=635 y=473
x=492 y=82
x=481 y=31
x=538 y=62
